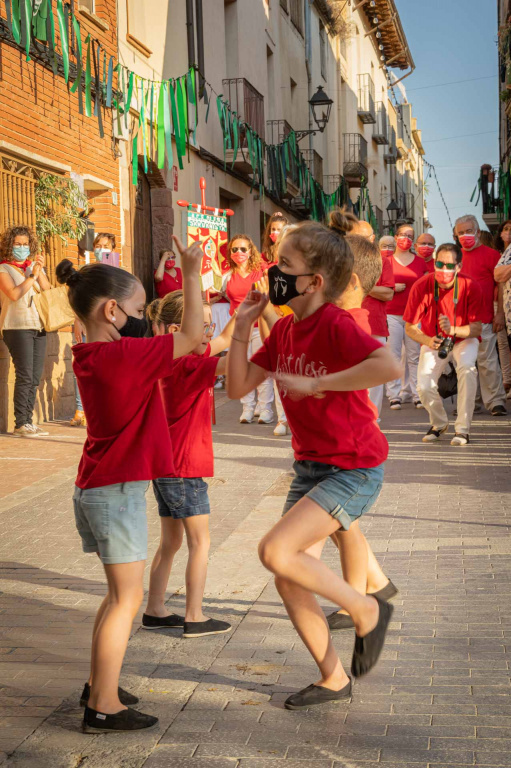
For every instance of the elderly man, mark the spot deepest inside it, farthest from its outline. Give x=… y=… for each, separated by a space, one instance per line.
x=447 y=307
x=364 y=229
x=425 y=248
x=479 y=262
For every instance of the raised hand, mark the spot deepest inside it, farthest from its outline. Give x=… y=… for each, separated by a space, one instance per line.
x=252 y=308
x=263 y=284
x=191 y=258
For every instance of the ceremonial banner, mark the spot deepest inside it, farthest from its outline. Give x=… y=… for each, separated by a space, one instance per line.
x=210 y=231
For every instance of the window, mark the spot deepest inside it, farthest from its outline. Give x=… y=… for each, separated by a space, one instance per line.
x=296 y=14
x=89 y=5
x=137 y=34
x=323 y=49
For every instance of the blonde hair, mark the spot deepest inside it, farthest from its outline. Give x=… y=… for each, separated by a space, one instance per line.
x=171 y=308
x=367 y=263
x=325 y=253
x=254 y=259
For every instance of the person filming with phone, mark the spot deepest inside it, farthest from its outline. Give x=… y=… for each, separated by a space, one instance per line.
x=443 y=314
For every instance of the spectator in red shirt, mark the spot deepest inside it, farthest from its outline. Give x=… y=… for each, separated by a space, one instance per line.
x=479 y=263
x=274 y=227
x=425 y=248
x=167 y=277
x=387 y=246
x=446 y=305
x=407 y=268
x=247 y=269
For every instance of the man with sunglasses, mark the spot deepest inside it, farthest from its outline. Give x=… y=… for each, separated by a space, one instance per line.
x=446 y=305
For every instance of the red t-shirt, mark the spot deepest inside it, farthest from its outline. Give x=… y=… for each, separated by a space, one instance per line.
x=479 y=265
x=238 y=287
x=378 y=309
x=361 y=317
x=127 y=437
x=422 y=307
x=187 y=399
x=430 y=265
x=339 y=429
x=169 y=283
x=407 y=275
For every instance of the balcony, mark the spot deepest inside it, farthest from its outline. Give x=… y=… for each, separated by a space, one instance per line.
x=378 y=213
x=390 y=155
x=355 y=159
x=314 y=163
x=276 y=132
x=407 y=205
x=331 y=182
x=366 y=108
x=380 y=131
x=248 y=103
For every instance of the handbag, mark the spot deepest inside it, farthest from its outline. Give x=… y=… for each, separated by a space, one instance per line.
x=54 y=308
x=448 y=383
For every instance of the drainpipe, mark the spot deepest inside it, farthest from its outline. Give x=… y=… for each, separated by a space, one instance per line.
x=200 y=43
x=308 y=62
x=190 y=33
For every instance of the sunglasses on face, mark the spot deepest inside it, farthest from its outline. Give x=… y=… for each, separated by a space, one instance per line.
x=209 y=328
x=242 y=248
x=443 y=265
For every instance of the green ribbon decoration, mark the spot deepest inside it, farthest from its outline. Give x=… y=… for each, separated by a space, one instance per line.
x=26 y=25
x=128 y=98
x=134 y=161
x=207 y=100
x=181 y=109
x=79 y=68
x=97 y=101
x=39 y=19
x=151 y=122
x=167 y=123
x=16 y=29
x=221 y=116
x=50 y=36
x=175 y=123
x=142 y=123
x=124 y=98
x=88 y=80
x=235 y=133
x=64 y=39
x=109 y=82
x=192 y=97
x=161 y=127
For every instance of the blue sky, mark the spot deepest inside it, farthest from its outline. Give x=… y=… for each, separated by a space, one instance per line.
x=453 y=40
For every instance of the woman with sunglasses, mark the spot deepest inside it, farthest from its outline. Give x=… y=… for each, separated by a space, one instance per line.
x=183 y=502
x=247 y=269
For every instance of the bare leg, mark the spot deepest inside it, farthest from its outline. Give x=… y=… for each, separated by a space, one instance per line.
x=97 y=623
x=170 y=543
x=284 y=552
x=197 y=537
x=359 y=565
x=309 y=621
x=125 y=594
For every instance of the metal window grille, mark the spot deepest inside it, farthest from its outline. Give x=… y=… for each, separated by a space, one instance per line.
x=314 y=163
x=296 y=14
x=366 y=109
x=246 y=101
x=355 y=157
x=18 y=180
x=380 y=132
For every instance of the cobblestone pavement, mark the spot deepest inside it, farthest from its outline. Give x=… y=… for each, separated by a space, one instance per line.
x=439 y=697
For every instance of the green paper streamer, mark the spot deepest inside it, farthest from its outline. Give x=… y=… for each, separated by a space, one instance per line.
x=134 y=161
x=151 y=123
x=161 y=127
x=110 y=82
x=50 y=35
x=39 y=19
x=175 y=123
x=181 y=108
x=88 y=80
x=235 y=131
x=16 y=29
x=64 y=39
x=130 y=93
x=167 y=125
x=26 y=26
x=142 y=122
x=79 y=68
x=97 y=102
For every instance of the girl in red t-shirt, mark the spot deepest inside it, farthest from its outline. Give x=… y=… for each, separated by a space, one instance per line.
x=247 y=269
x=324 y=365
x=274 y=227
x=408 y=268
x=127 y=445
x=167 y=277
x=182 y=498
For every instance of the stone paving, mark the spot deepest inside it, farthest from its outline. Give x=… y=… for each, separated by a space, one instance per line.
x=440 y=695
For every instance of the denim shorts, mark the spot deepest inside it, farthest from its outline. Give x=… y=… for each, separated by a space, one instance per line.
x=344 y=493
x=112 y=521
x=180 y=497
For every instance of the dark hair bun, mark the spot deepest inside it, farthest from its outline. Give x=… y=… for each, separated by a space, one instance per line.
x=342 y=221
x=66 y=273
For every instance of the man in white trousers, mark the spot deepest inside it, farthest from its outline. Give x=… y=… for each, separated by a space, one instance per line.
x=448 y=307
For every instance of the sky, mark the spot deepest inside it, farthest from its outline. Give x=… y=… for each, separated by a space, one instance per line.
x=450 y=41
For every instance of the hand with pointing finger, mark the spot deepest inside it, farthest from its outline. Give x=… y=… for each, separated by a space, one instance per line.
x=191 y=258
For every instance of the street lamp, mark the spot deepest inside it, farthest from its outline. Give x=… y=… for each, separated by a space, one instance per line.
x=321 y=106
x=393 y=210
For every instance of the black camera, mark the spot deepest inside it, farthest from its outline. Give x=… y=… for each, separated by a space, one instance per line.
x=446 y=347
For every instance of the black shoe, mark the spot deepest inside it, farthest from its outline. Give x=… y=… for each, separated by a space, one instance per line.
x=203 y=628
x=387 y=593
x=316 y=694
x=124 y=697
x=368 y=648
x=337 y=621
x=432 y=435
x=499 y=410
x=125 y=720
x=173 y=621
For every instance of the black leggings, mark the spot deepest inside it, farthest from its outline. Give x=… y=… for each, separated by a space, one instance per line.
x=28 y=351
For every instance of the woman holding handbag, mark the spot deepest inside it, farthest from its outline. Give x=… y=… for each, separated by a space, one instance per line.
x=21 y=267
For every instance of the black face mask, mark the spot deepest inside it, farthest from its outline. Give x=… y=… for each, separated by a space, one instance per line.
x=282 y=286
x=135 y=327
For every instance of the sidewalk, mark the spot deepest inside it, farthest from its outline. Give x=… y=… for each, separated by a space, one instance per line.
x=439 y=697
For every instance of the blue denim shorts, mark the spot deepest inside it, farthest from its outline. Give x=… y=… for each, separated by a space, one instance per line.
x=180 y=497
x=344 y=493
x=112 y=521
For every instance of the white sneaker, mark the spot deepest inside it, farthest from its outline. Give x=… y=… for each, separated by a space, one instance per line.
x=25 y=431
x=219 y=383
x=433 y=434
x=38 y=431
x=418 y=404
x=395 y=405
x=460 y=439
x=281 y=430
x=266 y=416
x=257 y=411
x=247 y=415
